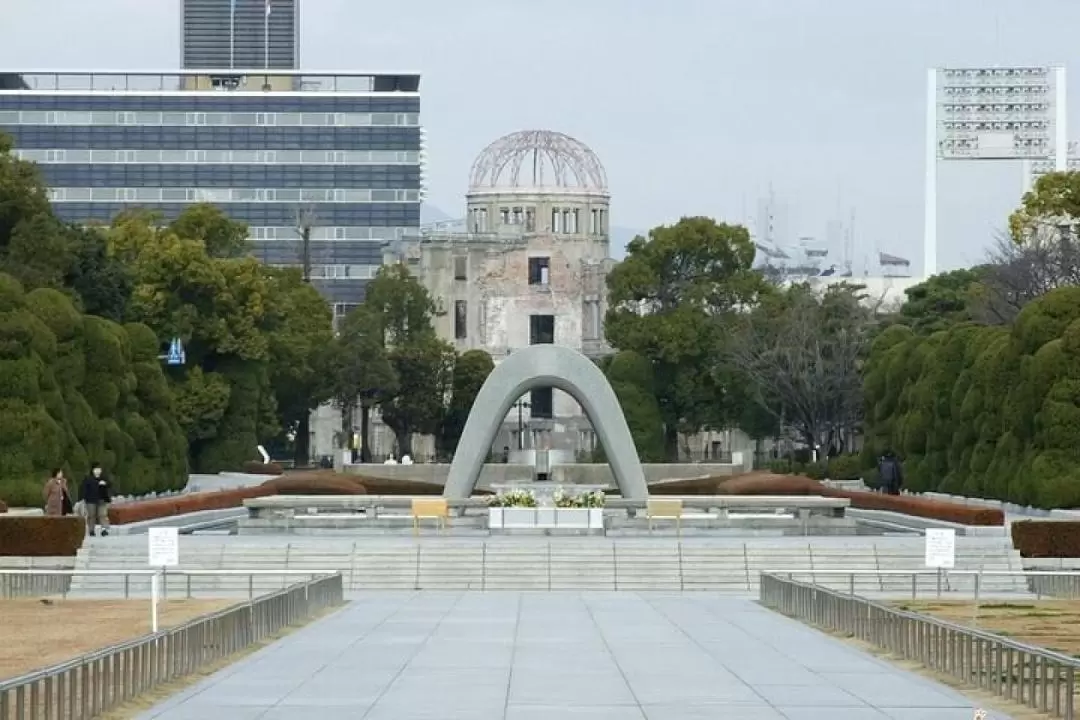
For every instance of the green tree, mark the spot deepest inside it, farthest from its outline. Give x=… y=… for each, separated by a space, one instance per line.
x=221 y=236
x=40 y=251
x=301 y=332
x=22 y=193
x=359 y=374
x=222 y=309
x=668 y=301
x=1052 y=205
x=631 y=377
x=471 y=369
x=422 y=363
x=942 y=300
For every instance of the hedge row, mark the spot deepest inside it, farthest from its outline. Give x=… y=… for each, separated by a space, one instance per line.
x=142 y=510
x=38 y=536
x=1047 y=538
x=770 y=484
x=331 y=484
x=254 y=467
x=983 y=411
x=312 y=483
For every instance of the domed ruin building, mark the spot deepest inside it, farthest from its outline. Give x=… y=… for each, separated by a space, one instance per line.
x=526 y=265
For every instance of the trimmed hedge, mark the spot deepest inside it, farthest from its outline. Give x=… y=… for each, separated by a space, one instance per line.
x=1047 y=538
x=141 y=510
x=38 y=536
x=311 y=483
x=921 y=507
x=330 y=485
x=769 y=484
x=254 y=467
x=77 y=388
x=987 y=412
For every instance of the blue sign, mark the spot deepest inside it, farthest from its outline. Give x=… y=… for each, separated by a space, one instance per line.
x=176 y=354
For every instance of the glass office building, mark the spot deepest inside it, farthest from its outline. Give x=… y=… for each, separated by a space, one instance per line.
x=340 y=153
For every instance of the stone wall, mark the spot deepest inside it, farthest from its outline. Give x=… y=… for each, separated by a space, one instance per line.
x=575 y=474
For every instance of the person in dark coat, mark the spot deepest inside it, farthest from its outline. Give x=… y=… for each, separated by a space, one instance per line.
x=96 y=496
x=890 y=473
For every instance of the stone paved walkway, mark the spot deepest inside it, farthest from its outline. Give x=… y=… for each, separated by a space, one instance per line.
x=540 y=656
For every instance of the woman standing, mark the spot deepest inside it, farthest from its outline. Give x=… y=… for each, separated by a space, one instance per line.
x=57 y=497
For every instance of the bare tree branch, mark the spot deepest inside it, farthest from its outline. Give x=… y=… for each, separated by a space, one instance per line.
x=803 y=356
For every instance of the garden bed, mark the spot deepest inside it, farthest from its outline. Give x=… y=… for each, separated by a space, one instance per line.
x=1050 y=624
x=35 y=635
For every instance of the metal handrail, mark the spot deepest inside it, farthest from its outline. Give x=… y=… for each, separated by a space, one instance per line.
x=169 y=571
x=98 y=681
x=1034 y=677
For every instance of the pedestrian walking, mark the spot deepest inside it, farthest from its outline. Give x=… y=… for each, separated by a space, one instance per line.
x=96 y=496
x=57 y=496
x=890 y=473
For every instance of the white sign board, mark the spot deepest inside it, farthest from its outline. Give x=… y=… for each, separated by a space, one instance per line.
x=164 y=546
x=940 y=548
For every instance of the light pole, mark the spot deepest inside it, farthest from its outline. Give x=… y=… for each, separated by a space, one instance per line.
x=521 y=405
x=990 y=113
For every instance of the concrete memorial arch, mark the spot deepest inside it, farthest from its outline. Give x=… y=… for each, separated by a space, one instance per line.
x=546 y=366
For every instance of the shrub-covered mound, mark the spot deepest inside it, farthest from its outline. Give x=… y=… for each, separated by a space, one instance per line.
x=78 y=388
x=1047 y=538
x=37 y=536
x=984 y=411
x=769 y=484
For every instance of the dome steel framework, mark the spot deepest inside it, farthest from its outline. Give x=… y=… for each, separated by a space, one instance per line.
x=537 y=160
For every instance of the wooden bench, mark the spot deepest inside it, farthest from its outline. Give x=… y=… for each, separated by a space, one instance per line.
x=665 y=509
x=429 y=508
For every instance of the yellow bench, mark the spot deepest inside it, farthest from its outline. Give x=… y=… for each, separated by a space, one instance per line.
x=665 y=510
x=434 y=508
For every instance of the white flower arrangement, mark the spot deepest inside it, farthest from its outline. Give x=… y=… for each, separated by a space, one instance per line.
x=513 y=498
x=583 y=500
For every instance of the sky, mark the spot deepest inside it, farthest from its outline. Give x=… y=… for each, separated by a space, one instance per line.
x=695 y=107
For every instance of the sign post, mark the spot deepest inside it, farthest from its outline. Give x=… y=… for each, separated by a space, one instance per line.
x=163 y=551
x=176 y=355
x=940 y=551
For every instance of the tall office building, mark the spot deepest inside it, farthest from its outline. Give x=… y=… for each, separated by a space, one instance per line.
x=222 y=34
x=339 y=153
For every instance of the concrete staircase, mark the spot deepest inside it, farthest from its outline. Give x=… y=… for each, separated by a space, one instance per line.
x=584 y=563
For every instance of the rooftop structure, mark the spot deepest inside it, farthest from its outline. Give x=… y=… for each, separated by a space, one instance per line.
x=240 y=33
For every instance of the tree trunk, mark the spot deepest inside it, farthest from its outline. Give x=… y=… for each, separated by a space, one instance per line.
x=302 y=446
x=671 y=443
x=346 y=426
x=365 y=433
x=404 y=442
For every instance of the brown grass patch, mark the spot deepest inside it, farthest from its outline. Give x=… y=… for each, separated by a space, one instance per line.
x=34 y=635
x=1050 y=624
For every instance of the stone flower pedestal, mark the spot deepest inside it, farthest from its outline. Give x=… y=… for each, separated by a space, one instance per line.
x=547 y=520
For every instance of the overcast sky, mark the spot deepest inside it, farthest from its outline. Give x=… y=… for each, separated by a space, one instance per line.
x=694 y=106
